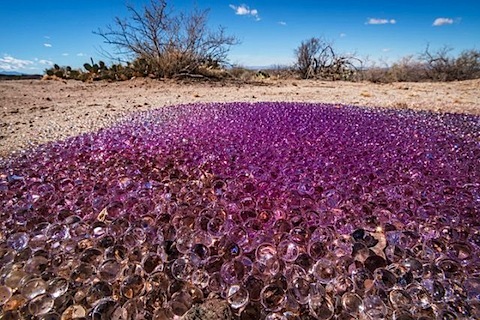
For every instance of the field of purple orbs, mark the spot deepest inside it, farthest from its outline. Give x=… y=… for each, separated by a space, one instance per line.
x=278 y=210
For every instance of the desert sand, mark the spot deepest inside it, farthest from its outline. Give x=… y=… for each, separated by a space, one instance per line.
x=38 y=111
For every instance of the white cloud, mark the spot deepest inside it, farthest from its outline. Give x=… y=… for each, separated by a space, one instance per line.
x=442 y=22
x=380 y=21
x=48 y=45
x=45 y=62
x=386 y=50
x=46 y=37
x=342 y=35
x=9 y=63
x=80 y=54
x=244 y=10
x=282 y=23
x=241 y=10
x=65 y=54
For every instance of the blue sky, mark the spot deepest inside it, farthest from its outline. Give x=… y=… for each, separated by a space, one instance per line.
x=37 y=33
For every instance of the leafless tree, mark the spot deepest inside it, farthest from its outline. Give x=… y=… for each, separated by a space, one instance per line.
x=306 y=55
x=316 y=58
x=439 y=64
x=168 y=43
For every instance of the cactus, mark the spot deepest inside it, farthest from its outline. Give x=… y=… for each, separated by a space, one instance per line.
x=141 y=67
x=100 y=71
x=102 y=65
x=92 y=68
x=74 y=74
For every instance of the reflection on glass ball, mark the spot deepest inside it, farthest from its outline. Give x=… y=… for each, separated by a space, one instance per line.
x=5 y=294
x=18 y=241
x=272 y=297
x=41 y=305
x=34 y=288
x=352 y=303
x=321 y=307
x=237 y=296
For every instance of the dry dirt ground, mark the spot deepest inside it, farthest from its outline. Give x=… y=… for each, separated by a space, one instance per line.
x=38 y=111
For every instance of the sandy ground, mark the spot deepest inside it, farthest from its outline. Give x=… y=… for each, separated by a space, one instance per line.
x=38 y=111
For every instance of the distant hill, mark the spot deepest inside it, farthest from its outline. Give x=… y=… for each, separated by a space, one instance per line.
x=10 y=73
x=14 y=75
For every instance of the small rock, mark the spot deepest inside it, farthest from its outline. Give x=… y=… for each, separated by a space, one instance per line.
x=211 y=309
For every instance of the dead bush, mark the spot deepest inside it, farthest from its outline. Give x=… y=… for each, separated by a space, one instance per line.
x=467 y=65
x=241 y=73
x=438 y=65
x=407 y=69
x=282 y=72
x=316 y=58
x=442 y=66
